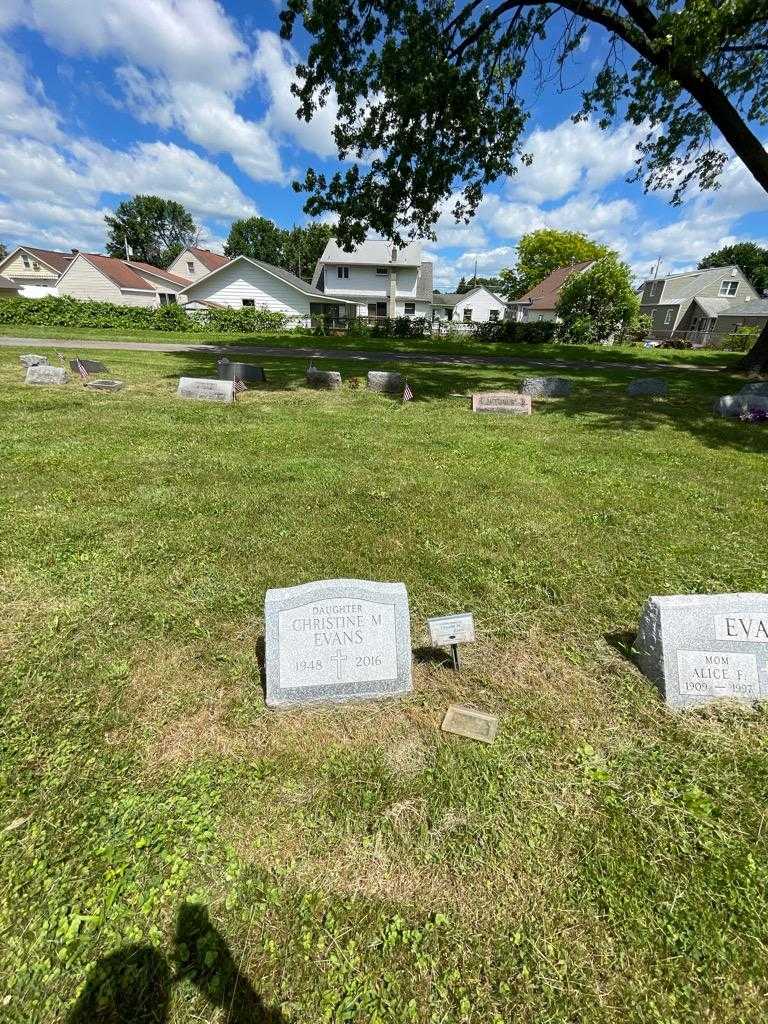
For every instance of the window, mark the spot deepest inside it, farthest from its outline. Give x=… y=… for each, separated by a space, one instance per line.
x=729 y=287
x=167 y=298
x=467 y=314
x=493 y=315
x=342 y=273
x=668 y=317
x=410 y=309
x=249 y=302
x=25 y=261
x=190 y=267
x=35 y=265
x=382 y=271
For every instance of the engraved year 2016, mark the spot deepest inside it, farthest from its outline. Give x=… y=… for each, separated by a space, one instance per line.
x=365 y=660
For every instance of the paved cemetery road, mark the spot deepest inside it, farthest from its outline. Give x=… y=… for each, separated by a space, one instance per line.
x=351 y=355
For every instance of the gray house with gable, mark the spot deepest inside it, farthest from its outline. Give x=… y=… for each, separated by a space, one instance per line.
x=702 y=304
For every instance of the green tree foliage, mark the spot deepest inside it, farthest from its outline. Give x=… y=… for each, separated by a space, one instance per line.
x=540 y=252
x=493 y=284
x=685 y=71
x=752 y=259
x=3 y=251
x=462 y=287
x=257 y=237
x=297 y=250
x=598 y=304
x=156 y=230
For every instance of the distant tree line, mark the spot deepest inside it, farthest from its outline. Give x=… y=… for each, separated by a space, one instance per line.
x=296 y=249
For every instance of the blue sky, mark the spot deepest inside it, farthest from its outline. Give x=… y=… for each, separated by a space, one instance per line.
x=100 y=99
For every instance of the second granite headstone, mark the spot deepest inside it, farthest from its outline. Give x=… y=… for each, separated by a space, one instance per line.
x=337 y=640
x=206 y=389
x=509 y=402
x=698 y=647
x=42 y=373
x=546 y=387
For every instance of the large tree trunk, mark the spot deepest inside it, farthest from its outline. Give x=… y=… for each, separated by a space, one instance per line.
x=756 y=360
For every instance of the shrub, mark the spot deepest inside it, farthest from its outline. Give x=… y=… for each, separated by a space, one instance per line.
x=513 y=331
x=63 y=311
x=740 y=340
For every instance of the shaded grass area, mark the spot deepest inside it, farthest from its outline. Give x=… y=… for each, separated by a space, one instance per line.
x=436 y=346
x=603 y=861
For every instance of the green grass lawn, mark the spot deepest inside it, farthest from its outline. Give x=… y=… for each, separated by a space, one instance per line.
x=437 y=346
x=164 y=835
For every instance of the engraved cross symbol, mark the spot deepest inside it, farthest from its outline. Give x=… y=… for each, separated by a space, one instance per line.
x=339 y=659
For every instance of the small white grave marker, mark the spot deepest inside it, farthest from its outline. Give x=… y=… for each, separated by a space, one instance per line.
x=450 y=631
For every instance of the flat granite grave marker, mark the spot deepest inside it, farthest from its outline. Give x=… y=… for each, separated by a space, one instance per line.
x=699 y=647
x=509 y=402
x=475 y=725
x=647 y=386
x=32 y=360
x=329 y=379
x=42 y=373
x=755 y=387
x=337 y=640
x=89 y=365
x=104 y=385
x=243 y=371
x=206 y=389
x=385 y=381
x=546 y=387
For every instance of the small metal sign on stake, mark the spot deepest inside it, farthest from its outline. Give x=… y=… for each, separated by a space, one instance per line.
x=450 y=631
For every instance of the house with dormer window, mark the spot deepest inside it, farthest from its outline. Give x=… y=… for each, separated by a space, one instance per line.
x=377 y=278
x=698 y=303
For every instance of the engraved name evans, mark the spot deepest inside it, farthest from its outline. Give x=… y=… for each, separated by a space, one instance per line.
x=745 y=628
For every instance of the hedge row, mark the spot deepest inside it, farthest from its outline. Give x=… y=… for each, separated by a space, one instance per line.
x=62 y=311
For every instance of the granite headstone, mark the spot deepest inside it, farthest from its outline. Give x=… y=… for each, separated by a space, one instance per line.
x=734 y=406
x=337 y=640
x=386 y=381
x=755 y=387
x=509 y=402
x=546 y=387
x=42 y=373
x=243 y=371
x=649 y=386
x=699 y=647
x=33 y=360
x=206 y=389
x=329 y=379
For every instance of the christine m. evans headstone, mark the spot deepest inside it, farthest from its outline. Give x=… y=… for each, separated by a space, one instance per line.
x=337 y=640
x=699 y=647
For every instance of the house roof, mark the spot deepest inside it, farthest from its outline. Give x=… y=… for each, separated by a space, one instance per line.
x=680 y=288
x=711 y=306
x=210 y=260
x=452 y=298
x=118 y=272
x=58 y=261
x=373 y=252
x=278 y=272
x=6 y=285
x=756 y=307
x=545 y=294
x=164 y=274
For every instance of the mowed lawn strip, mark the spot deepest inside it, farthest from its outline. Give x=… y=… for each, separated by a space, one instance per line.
x=467 y=346
x=605 y=860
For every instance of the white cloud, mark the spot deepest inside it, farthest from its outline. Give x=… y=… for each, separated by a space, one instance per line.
x=24 y=109
x=274 y=63
x=574 y=156
x=488 y=261
x=191 y=40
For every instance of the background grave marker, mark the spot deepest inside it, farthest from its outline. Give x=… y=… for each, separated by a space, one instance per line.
x=42 y=373
x=475 y=725
x=546 y=387
x=510 y=402
x=206 y=389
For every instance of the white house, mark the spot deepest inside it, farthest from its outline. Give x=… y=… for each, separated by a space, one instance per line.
x=36 y=272
x=195 y=263
x=123 y=282
x=377 y=278
x=244 y=282
x=476 y=306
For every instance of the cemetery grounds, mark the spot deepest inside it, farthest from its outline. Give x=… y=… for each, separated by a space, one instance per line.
x=603 y=861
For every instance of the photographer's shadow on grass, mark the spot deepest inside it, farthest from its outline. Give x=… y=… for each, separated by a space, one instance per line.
x=133 y=985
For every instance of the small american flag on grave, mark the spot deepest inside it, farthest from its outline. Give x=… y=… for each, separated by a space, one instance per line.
x=407 y=393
